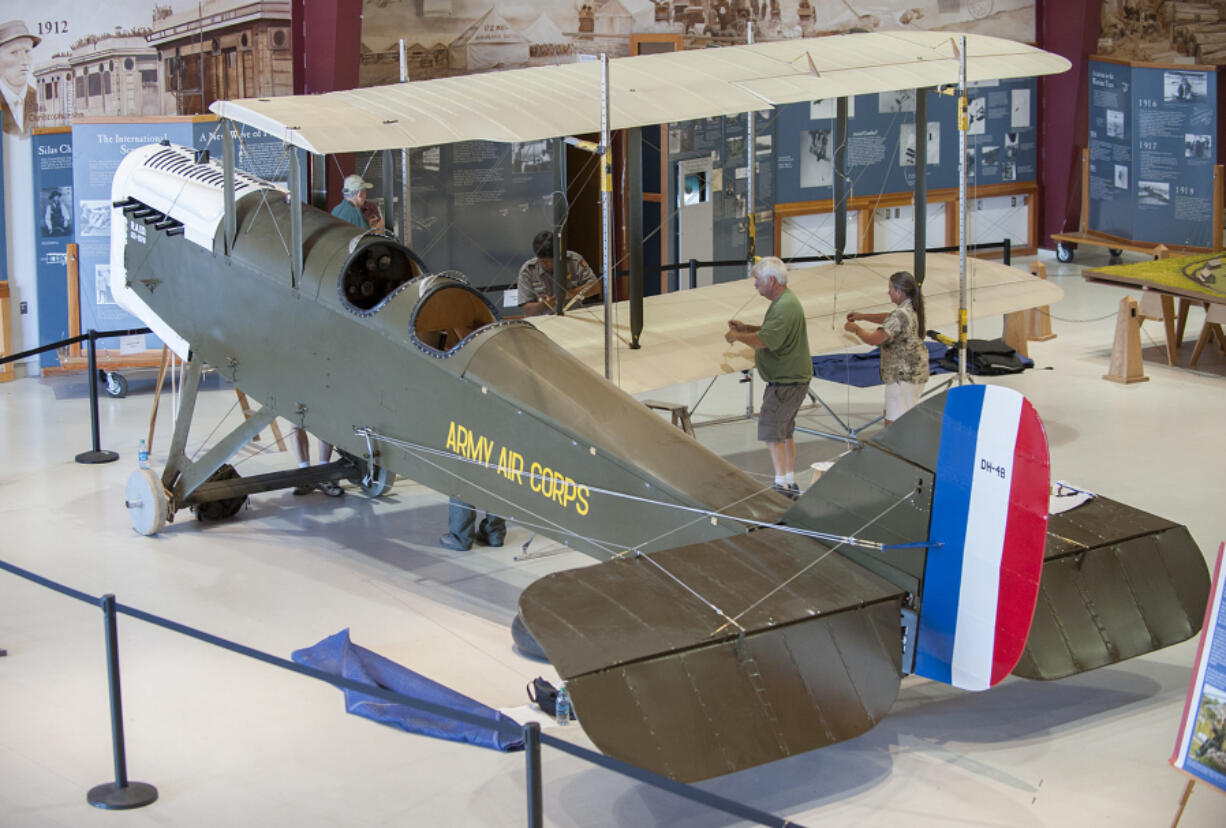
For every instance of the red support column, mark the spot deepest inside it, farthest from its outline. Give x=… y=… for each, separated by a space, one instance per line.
x=1069 y=28
x=327 y=46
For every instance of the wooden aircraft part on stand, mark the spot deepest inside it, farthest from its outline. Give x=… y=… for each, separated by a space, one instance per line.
x=684 y=330
x=661 y=680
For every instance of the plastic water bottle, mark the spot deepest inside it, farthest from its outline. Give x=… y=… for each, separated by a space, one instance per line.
x=563 y=705
x=142 y=455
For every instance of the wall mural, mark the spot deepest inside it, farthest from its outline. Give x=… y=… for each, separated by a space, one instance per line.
x=452 y=37
x=1164 y=32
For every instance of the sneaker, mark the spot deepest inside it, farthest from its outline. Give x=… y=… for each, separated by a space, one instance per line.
x=791 y=492
x=304 y=489
x=494 y=541
x=449 y=541
x=330 y=488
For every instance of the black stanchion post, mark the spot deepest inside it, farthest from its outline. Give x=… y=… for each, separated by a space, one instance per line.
x=1008 y=254
x=693 y=273
x=120 y=794
x=532 y=763
x=98 y=455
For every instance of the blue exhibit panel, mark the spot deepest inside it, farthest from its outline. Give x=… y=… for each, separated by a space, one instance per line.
x=258 y=153
x=97 y=150
x=54 y=230
x=1153 y=144
x=1112 y=127
x=477 y=205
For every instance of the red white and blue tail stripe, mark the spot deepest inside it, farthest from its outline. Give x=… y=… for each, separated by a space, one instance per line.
x=987 y=535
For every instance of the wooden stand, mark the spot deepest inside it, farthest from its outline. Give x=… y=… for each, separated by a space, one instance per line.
x=72 y=358
x=1039 y=319
x=1215 y=317
x=6 y=336
x=680 y=414
x=1126 y=352
x=1031 y=325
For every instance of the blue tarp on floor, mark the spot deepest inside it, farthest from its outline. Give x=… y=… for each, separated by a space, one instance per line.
x=339 y=656
x=864 y=370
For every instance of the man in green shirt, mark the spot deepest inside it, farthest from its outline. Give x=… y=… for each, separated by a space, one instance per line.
x=781 y=354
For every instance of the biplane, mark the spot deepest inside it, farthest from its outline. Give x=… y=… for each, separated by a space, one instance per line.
x=725 y=625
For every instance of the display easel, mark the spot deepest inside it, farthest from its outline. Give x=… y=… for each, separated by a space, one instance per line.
x=6 y=336
x=109 y=359
x=1117 y=244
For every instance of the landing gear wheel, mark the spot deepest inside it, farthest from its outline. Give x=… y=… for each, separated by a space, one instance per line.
x=221 y=509
x=1064 y=253
x=381 y=481
x=1115 y=252
x=147 y=502
x=116 y=384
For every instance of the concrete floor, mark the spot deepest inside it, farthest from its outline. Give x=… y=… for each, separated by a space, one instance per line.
x=231 y=741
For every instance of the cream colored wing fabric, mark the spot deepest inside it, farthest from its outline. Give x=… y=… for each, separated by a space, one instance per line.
x=683 y=332
x=549 y=101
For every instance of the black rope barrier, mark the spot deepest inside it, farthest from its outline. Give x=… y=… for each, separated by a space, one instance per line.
x=96 y=454
x=125 y=794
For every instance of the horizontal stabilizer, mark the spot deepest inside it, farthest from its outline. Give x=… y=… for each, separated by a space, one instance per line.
x=1117 y=583
x=658 y=678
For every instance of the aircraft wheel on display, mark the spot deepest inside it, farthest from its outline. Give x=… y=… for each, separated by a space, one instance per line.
x=221 y=509
x=380 y=483
x=148 y=505
x=1064 y=253
x=116 y=384
x=381 y=479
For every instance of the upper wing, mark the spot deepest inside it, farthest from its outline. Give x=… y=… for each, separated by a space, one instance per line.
x=683 y=332
x=643 y=90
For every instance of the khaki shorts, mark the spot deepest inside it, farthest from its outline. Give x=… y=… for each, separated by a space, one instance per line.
x=780 y=402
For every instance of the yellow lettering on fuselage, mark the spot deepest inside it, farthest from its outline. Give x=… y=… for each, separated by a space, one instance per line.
x=549 y=483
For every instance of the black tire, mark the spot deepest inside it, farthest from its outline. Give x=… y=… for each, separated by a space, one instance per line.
x=1064 y=253
x=1115 y=252
x=116 y=384
x=221 y=509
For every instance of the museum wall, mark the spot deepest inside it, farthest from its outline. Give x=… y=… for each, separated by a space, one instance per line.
x=142 y=58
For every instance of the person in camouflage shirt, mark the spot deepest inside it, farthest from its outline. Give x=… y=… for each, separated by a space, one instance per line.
x=904 y=359
x=536 y=277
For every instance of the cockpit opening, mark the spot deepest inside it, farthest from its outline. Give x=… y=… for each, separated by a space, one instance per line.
x=374 y=272
x=447 y=315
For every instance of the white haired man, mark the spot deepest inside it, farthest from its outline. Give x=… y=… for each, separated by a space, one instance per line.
x=781 y=355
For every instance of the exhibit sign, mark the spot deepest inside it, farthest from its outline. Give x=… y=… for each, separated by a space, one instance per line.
x=1001 y=146
x=257 y=153
x=1153 y=145
x=54 y=230
x=98 y=147
x=462 y=190
x=1201 y=749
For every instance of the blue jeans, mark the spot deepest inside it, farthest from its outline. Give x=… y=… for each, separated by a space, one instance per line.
x=462 y=520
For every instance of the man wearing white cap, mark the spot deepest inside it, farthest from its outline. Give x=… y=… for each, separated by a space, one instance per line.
x=18 y=100
x=353 y=206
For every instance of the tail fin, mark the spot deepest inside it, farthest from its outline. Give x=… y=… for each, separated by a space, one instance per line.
x=988 y=530
x=980 y=455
